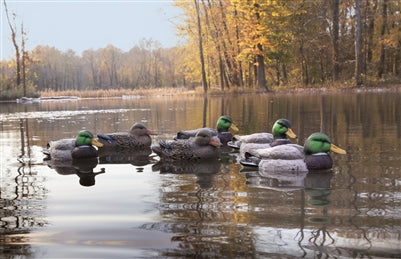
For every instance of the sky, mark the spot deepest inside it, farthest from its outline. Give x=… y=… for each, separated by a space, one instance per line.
x=81 y=25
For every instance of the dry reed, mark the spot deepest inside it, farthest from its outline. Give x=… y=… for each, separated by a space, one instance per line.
x=214 y=91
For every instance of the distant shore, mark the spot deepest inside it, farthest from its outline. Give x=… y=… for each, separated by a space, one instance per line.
x=170 y=91
x=197 y=92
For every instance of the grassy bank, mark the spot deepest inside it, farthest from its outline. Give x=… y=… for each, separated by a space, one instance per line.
x=198 y=91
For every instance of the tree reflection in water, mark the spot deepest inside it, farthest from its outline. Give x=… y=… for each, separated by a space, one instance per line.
x=23 y=204
x=196 y=205
x=22 y=200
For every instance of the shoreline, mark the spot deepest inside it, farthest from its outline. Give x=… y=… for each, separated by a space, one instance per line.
x=197 y=92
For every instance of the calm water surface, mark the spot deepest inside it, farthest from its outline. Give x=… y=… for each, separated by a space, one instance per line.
x=121 y=206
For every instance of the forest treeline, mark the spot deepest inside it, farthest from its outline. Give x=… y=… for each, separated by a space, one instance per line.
x=231 y=44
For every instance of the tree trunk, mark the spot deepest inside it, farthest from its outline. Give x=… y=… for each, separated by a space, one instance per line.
x=371 y=28
x=261 y=77
x=358 y=44
x=382 y=50
x=202 y=60
x=237 y=38
x=24 y=56
x=14 y=40
x=336 y=67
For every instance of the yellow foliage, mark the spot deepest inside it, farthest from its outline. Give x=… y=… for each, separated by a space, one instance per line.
x=12 y=63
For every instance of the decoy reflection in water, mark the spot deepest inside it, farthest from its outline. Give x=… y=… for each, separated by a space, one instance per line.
x=136 y=157
x=224 y=129
x=203 y=146
x=67 y=149
x=205 y=171
x=281 y=131
x=288 y=180
x=137 y=137
x=83 y=168
x=313 y=156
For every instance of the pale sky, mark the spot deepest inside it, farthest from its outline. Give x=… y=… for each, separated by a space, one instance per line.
x=89 y=24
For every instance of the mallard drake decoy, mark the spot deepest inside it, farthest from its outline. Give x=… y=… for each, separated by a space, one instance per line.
x=316 y=148
x=137 y=137
x=292 y=157
x=223 y=127
x=67 y=149
x=203 y=146
x=281 y=130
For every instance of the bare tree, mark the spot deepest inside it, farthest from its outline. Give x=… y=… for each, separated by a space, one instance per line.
x=13 y=29
x=24 y=58
x=202 y=60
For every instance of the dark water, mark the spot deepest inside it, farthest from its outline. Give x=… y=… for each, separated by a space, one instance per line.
x=122 y=207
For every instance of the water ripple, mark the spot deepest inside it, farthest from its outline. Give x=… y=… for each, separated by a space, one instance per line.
x=53 y=115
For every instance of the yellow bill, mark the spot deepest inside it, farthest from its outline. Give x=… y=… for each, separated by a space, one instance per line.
x=96 y=143
x=233 y=128
x=337 y=150
x=290 y=134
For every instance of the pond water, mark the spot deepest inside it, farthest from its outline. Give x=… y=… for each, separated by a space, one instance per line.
x=124 y=207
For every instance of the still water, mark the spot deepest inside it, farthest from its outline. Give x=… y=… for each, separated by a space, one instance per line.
x=123 y=207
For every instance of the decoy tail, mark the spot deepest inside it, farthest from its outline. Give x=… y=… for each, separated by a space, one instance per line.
x=46 y=152
x=164 y=144
x=182 y=135
x=250 y=160
x=233 y=144
x=106 y=137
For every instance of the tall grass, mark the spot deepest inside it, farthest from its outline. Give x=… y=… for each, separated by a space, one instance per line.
x=120 y=92
x=198 y=91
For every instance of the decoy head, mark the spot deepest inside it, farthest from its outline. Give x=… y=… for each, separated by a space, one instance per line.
x=320 y=143
x=86 y=138
x=138 y=129
x=204 y=137
x=282 y=129
x=225 y=123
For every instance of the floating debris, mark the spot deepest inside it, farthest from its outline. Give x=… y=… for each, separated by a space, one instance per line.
x=28 y=100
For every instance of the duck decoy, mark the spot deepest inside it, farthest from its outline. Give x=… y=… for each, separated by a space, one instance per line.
x=137 y=137
x=223 y=127
x=312 y=156
x=316 y=148
x=281 y=131
x=68 y=149
x=203 y=146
